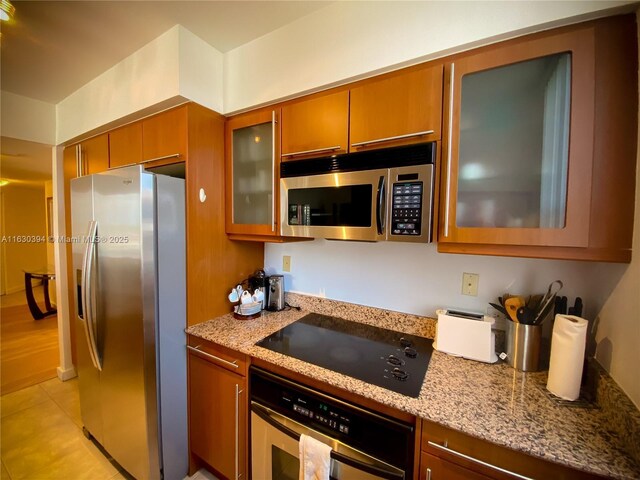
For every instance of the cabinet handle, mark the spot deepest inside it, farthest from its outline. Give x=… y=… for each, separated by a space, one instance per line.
x=163 y=157
x=233 y=364
x=273 y=171
x=444 y=448
x=238 y=392
x=428 y=474
x=449 y=140
x=315 y=150
x=390 y=139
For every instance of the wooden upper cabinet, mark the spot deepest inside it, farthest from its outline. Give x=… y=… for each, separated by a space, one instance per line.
x=125 y=145
x=316 y=126
x=399 y=108
x=523 y=146
x=164 y=136
x=94 y=155
x=252 y=163
x=522 y=114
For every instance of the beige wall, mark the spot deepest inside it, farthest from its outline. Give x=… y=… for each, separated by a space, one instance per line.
x=48 y=193
x=618 y=334
x=23 y=215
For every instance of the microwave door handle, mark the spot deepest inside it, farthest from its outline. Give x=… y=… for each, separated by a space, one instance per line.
x=338 y=457
x=381 y=210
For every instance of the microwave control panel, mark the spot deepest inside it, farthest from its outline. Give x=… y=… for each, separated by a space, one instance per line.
x=406 y=208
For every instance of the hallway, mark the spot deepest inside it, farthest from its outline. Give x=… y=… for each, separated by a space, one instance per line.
x=28 y=348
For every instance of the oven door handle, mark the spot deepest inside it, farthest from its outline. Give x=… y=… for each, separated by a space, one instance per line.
x=338 y=457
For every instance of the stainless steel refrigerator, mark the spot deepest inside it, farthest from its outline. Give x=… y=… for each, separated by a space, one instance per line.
x=128 y=229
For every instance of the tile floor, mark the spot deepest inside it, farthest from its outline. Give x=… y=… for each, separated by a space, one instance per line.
x=41 y=436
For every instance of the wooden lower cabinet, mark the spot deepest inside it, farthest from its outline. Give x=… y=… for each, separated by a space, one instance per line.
x=433 y=468
x=218 y=414
x=451 y=455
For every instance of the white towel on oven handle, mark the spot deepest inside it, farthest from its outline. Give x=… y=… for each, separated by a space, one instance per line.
x=315 y=459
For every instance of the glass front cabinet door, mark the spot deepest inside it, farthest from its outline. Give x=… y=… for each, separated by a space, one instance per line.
x=251 y=160
x=518 y=150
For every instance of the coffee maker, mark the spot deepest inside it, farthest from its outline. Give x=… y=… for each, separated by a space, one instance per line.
x=258 y=281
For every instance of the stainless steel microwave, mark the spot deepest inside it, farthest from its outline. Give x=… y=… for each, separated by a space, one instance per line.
x=380 y=195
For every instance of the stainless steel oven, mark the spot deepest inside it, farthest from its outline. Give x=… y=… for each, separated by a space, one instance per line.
x=365 y=445
x=384 y=194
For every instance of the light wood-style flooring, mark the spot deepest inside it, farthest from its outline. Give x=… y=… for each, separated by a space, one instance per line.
x=28 y=348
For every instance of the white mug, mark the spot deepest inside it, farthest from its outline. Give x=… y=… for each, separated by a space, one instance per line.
x=246 y=297
x=233 y=296
x=258 y=295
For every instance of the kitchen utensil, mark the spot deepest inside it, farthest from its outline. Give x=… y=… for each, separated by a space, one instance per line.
x=249 y=308
x=526 y=315
x=577 y=307
x=246 y=297
x=557 y=309
x=499 y=308
x=534 y=301
x=233 y=296
x=563 y=305
x=512 y=304
x=504 y=298
x=547 y=301
x=522 y=345
x=258 y=295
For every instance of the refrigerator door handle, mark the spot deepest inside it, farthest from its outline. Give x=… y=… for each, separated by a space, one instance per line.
x=88 y=295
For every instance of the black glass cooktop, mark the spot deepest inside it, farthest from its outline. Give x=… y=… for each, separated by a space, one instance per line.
x=385 y=358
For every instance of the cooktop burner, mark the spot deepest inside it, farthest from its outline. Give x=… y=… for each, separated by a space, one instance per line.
x=385 y=358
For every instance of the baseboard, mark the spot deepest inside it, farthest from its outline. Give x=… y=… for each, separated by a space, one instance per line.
x=12 y=290
x=66 y=374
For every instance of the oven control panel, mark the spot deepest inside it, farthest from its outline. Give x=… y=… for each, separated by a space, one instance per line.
x=406 y=208
x=318 y=412
x=390 y=440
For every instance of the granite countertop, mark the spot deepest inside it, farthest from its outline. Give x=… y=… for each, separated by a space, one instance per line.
x=492 y=402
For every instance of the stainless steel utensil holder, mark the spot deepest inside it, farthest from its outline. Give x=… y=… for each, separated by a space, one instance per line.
x=523 y=346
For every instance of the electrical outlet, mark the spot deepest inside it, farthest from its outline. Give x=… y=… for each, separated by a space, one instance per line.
x=470 y=284
x=286 y=263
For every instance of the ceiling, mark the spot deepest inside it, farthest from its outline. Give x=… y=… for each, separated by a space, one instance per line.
x=52 y=48
x=23 y=162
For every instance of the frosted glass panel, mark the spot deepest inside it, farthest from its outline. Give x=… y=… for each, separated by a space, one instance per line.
x=253 y=175
x=514 y=145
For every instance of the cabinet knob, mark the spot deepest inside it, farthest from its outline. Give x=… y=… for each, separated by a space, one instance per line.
x=202 y=195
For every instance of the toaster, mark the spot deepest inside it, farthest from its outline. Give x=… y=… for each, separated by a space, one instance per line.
x=466 y=334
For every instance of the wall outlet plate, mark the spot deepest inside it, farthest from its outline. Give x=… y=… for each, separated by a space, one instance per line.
x=470 y=284
x=286 y=263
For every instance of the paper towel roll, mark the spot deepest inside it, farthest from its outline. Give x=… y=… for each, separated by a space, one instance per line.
x=568 y=343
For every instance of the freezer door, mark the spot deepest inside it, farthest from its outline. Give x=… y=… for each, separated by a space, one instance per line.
x=88 y=375
x=124 y=204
